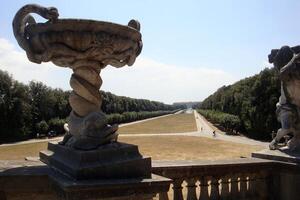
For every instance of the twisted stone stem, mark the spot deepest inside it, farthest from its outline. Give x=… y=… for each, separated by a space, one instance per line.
x=87 y=124
x=85 y=97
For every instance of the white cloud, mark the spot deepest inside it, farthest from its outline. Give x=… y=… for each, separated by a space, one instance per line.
x=17 y=64
x=168 y=83
x=266 y=64
x=147 y=78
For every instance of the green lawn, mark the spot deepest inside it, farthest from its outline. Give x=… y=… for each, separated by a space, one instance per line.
x=177 y=123
x=158 y=147
x=161 y=147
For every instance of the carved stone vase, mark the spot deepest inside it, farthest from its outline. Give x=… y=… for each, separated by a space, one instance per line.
x=87 y=47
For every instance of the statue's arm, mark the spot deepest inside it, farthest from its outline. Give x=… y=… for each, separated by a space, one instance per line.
x=296 y=49
x=292 y=65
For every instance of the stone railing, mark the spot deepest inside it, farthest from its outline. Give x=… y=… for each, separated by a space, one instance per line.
x=33 y=180
x=227 y=179
x=248 y=178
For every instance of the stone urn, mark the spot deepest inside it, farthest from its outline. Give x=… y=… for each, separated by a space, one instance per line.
x=90 y=149
x=87 y=47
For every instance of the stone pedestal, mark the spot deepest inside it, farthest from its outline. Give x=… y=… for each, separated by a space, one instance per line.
x=111 y=161
x=27 y=180
x=287 y=180
x=282 y=155
x=116 y=171
x=110 y=189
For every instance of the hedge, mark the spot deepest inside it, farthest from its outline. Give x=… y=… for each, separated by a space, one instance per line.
x=227 y=121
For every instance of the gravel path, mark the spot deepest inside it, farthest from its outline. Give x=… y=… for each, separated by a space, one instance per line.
x=208 y=128
x=33 y=141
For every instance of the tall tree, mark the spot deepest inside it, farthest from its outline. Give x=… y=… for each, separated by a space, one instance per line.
x=253 y=99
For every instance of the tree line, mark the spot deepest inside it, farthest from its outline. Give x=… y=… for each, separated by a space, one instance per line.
x=224 y=121
x=253 y=100
x=29 y=108
x=119 y=104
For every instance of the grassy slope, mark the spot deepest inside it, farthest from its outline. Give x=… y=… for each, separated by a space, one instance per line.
x=177 y=123
x=189 y=148
x=158 y=147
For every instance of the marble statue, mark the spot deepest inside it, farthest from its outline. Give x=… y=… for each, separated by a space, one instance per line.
x=87 y=47
x=287 y=61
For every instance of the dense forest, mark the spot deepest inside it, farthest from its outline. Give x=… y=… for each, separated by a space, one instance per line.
x=30 y=108
x=253 y=100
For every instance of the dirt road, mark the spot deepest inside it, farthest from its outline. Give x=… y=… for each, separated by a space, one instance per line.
x=208 y=128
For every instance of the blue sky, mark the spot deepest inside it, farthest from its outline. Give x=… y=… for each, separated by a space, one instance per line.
x=190 y=47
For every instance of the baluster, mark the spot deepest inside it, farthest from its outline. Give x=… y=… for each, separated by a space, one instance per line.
x=203 y=189
x=2 y=195
x=163 y=196
x=252 y=186
x=177 y=188
x=234 y=187
x=191 y=189
x=243 y=186
x=225 y=195
x=214 y=193
x=262 y=188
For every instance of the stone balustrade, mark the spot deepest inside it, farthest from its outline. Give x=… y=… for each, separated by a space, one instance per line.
x=27 y=180
x=247 y=178
x=214 y=180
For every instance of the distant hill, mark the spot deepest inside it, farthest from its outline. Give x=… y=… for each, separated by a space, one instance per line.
x=253 y=99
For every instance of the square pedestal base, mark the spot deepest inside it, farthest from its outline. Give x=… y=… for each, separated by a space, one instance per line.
x=28 y=180
x=287 y=177
x=113 y=189
x=282 y=155
x=112 y=161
